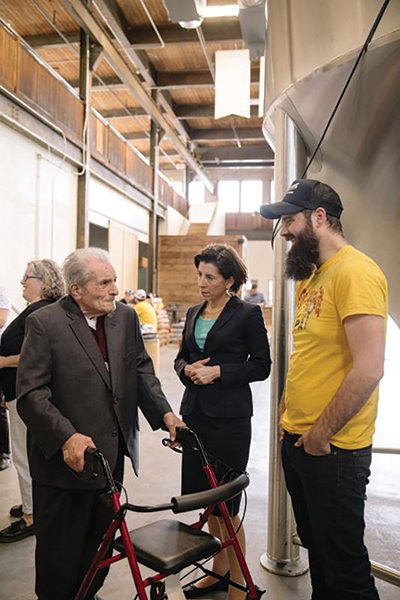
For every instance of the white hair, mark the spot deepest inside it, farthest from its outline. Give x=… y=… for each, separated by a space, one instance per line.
x=77 y=269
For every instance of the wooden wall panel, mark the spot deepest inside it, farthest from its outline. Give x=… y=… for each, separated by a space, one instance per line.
x=28 y=75
x=246 y=222
x=46 y=90
x=138 y=170
x=177 y=279
x=69 y=110
x=116 y=151
x=9 y=49
x=179 y=203
x=99 y=136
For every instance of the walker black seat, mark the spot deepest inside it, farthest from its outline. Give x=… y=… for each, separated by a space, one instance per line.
x=169 y=546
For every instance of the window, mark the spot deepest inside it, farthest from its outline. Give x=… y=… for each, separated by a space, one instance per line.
x=178 y=186
x=228 y=196
x=240 y=196
x=196 y=192
x=251 y=196
x=272 y=191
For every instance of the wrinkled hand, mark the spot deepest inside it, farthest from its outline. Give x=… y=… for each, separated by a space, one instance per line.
x=314 y=443
x=206 y=375
x=74 y=449
x=190 y=370
x=172 y=422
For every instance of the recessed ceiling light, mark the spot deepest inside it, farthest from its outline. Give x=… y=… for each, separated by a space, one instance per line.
x=230 y=10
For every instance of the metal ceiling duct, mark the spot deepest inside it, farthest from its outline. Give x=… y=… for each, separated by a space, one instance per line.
x=253 y=25
x=188 y=13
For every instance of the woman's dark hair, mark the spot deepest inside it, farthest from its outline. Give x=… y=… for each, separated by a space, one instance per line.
x=227 y=261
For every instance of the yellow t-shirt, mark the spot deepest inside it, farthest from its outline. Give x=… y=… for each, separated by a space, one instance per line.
x=146 y=313
x=349 y=283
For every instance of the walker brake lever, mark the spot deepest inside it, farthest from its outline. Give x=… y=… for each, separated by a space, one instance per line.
x=167 y=443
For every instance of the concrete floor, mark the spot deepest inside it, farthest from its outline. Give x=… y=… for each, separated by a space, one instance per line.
x=159 y=480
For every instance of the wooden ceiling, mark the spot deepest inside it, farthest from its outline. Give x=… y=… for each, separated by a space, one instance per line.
x=178 y=70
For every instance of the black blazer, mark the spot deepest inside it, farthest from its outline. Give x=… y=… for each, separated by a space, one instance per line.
x=238 y=343
x=63 y=387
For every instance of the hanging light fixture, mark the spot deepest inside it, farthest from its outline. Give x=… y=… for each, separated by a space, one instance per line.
x=188 y=13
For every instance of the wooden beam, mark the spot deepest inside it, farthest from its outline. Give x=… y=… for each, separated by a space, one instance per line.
x=230 y=153
x=182 y=111
x=52 y=40
x=145 y=37
x=215 y=31
x=128 y=75
x=203 y=111
x=242 y=164
x=168 y=80
x=221 y=154
x=129 y=112
x=245 y=134
x=114 y=17
x=194 y=79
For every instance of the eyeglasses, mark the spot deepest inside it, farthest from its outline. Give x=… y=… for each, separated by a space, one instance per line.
x=26 y=277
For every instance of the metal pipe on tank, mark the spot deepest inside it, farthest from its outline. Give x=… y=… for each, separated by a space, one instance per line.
x=282 y=556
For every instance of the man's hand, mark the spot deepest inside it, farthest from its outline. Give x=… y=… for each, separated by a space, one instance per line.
x=314 y=443
x=172 y=422
x=190 y=370
x=205 y=375
x=74 y=449
x=281 y=412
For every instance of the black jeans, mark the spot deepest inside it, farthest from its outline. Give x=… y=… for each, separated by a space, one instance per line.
x=4 y=433
x=328 y=497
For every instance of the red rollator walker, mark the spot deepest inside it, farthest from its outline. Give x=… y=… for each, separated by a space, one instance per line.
x=169 y=546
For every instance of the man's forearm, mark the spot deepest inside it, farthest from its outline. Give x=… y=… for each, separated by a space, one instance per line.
x=9 y=361
x=353 y=394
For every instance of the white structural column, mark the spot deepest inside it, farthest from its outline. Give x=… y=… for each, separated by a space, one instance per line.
x=282 y=556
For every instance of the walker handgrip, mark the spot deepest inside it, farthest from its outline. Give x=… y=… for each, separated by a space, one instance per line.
x=210 y=497
x=166 y=442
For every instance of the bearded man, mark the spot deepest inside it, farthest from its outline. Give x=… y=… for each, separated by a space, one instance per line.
x=329 y=407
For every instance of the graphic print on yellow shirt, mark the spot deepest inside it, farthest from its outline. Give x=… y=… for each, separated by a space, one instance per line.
x=308 y=301
x=347 y=284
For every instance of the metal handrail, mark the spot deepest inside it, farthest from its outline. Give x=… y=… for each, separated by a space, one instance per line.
x=386 y=450
x=380 y=571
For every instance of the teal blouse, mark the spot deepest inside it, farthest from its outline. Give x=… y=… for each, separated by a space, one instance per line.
x=201 y=330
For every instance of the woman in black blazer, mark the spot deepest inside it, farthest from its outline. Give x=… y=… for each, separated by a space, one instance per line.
x=224 y=348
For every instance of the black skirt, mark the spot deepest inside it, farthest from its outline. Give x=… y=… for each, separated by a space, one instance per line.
x=227 y=442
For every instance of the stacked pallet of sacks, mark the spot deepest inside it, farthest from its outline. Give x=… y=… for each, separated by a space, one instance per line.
x=163 y=324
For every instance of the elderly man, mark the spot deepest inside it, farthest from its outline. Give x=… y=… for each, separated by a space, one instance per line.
x=329 y=406
x=83 y=373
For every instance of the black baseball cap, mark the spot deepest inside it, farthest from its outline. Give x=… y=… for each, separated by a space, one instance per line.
x=302 y=194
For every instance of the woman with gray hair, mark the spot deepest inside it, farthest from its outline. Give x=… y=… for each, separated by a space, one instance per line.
x=42 y=284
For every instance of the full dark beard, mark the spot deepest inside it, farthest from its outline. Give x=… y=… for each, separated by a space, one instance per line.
x=303 y=255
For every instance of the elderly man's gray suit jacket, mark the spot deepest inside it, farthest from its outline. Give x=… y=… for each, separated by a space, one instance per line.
x=64 y=387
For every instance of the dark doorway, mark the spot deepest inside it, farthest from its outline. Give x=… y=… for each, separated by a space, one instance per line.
x=98 y=236
x=143 y=266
